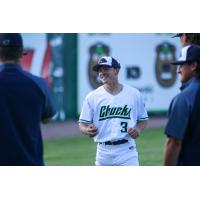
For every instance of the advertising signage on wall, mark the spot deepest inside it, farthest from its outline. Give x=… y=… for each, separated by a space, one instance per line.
x=37 y=59
x=45 y=59
x=145 y=64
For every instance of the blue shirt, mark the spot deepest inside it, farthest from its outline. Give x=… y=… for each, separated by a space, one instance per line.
x=184 y=122
x=24 y=101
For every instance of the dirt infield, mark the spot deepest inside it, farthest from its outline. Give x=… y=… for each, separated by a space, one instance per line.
x=70 y=128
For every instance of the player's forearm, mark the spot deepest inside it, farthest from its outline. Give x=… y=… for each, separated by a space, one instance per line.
x=88 y=129
x=83 y=128
x=171 y=152
x=141 y=125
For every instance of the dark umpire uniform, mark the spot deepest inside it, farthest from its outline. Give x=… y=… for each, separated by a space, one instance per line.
x=25 y=101
x=184 y=120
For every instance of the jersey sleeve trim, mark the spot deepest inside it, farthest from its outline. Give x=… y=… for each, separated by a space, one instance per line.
x=143 y=119
x=85 y=121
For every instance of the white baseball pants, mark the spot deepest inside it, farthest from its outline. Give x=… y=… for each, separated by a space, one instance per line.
x=117 y=155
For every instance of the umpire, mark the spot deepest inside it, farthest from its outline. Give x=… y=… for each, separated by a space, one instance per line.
x=183 y=127
x=25 y=102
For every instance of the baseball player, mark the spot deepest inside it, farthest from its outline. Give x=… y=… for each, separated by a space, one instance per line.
x=113 y=115
x=188 y=38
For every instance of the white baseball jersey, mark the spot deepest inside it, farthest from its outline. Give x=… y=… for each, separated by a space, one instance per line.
x=113 y=115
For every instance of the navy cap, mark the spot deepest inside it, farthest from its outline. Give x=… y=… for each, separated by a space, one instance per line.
x=189 y=53
x=106 y=61
x=11 y=40
x=177 y=35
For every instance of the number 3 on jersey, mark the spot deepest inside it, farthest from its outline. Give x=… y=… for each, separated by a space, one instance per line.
x=124 y=126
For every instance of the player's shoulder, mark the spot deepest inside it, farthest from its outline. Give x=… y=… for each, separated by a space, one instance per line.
x=39 y=82
x=36 y=79
x=31 y=76
x=181 y=99
x=189 y=92
x=94 y=93
x=131 y=89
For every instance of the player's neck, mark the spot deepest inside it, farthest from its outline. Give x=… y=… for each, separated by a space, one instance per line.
x=113 y=89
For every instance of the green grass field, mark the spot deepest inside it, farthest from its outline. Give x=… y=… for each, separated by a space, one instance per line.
x=81 y=150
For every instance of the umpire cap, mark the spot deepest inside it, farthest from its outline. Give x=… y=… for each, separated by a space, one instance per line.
x=190 y=53
x=106 y=61
x=11 y=40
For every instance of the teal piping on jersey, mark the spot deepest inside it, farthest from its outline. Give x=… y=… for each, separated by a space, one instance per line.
x=157 y=111
x=101 y=119
x=84 y=121
x=143 y=119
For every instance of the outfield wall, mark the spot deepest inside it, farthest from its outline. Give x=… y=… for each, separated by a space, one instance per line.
x=144 y=60
x=53 y=57
x=64 y=60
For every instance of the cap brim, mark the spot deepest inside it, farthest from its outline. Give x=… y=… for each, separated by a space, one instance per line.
x=174 y=36
x=177 y=35
x=178 y=63
x=96 y=67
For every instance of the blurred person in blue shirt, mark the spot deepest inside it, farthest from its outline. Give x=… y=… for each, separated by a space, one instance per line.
x=25 y=102
x=183 y=127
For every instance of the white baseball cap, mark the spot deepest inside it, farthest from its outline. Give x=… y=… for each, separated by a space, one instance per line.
x=189 y=53
x=106 y=61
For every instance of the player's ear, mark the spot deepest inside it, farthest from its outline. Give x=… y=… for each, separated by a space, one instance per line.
x=194 y=66
x=117 y=70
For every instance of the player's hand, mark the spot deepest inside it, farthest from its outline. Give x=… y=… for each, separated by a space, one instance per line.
x=134 y=132
x=91 y=130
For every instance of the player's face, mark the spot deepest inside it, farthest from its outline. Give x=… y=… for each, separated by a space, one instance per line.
x=185 y=71
x=184 y=40
x=107 y=75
